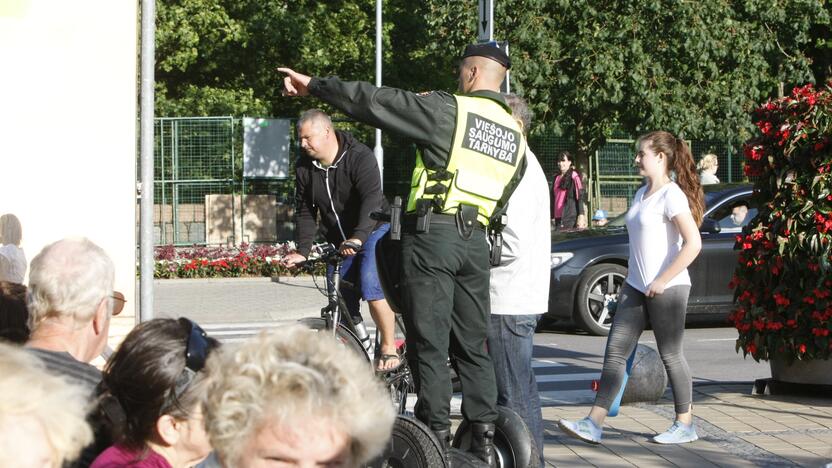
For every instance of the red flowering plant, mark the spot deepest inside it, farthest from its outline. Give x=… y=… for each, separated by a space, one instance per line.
x=783 y=276
x=221 y=262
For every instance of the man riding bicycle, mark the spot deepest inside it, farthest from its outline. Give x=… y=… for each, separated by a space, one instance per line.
x=340 y=181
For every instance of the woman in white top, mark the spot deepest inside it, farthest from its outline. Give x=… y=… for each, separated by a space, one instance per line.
x=12 y=260
x=662 y=225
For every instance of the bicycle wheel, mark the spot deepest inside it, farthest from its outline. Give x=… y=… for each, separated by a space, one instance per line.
x=412 y=445
x=400 y=383
x=346 y=337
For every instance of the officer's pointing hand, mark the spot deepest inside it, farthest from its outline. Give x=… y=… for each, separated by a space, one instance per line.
x=294 y=84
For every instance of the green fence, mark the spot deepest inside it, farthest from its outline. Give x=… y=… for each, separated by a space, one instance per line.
x=201 y=196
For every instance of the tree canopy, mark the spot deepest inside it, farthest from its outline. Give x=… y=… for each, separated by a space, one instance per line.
x=588 y=69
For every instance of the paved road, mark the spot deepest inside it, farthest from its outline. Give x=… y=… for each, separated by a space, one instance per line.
x=566 y=361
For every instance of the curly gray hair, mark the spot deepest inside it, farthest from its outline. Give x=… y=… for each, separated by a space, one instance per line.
x=288 y=375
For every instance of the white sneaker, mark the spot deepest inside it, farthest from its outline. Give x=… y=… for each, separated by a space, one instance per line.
x=585 y=429
x=679 y=433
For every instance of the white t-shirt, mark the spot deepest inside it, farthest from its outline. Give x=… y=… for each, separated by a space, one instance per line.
x=520 y=285
x=654 y=239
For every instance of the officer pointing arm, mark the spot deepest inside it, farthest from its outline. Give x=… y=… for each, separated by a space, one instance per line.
x=471 y=156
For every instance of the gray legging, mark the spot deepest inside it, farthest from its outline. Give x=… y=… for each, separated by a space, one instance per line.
x=667 y=316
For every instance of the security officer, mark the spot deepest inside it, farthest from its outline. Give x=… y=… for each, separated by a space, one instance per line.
x=471 y=156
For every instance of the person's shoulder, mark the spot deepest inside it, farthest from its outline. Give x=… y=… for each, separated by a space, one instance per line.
x=674 y=190
x=64 y=364
x=351 y=144
x=437 y=97
x=674 y=194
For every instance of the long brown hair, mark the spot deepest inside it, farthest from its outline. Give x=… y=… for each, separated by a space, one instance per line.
x=680 y=160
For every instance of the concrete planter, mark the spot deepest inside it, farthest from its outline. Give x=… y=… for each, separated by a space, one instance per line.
x=814 y=372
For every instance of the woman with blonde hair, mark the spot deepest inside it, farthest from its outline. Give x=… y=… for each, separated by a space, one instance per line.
x=42 y=416
x=662 y=225
x=708 y=166
x=296 y=397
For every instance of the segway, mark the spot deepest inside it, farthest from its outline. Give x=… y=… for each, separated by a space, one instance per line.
x=413 y=444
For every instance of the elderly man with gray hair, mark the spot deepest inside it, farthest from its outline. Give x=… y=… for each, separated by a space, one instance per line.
x=70 y=305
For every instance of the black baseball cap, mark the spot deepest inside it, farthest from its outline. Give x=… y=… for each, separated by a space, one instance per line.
x=488 y=51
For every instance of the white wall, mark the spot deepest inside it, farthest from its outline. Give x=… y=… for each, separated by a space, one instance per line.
x=68 y=127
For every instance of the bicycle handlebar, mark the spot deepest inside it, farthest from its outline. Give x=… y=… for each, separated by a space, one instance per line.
x=327 y=254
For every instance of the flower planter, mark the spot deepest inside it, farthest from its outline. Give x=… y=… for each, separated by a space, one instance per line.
x=814 y=372
x=783 y=277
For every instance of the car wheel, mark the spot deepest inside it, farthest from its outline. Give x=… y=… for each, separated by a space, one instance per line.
x=597 y=297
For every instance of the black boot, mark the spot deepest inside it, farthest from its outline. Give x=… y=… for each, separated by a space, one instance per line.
x=482 y=443
x=444 y=437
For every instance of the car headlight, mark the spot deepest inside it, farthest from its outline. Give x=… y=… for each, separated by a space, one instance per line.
x=559 y=258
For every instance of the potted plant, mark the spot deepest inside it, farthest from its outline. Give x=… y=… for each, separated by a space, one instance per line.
x=783 y=279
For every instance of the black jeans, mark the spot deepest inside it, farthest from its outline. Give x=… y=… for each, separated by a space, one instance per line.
x=445 y=293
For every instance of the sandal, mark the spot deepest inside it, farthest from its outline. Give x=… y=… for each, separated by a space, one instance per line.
x=383 y=361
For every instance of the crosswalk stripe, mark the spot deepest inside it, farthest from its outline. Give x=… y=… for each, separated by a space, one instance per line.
x=537 y=363
x=567 y=377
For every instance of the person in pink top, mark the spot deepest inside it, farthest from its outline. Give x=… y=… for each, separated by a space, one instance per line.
x=567 y=195
x=153 y=386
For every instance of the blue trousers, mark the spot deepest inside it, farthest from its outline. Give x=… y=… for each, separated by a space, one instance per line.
x=510 y=344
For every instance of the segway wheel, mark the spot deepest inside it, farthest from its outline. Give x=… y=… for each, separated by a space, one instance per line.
x=463 y=459
x=513 y=443
x=412 y=445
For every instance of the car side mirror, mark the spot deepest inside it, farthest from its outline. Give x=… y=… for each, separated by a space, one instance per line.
x=709 y=226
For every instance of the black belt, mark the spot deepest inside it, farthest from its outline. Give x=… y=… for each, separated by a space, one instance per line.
x=409 y=220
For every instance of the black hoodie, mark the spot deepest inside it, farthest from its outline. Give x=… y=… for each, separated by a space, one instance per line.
x=355 y=188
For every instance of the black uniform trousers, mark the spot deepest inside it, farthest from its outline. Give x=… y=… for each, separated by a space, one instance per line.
x=445 y=291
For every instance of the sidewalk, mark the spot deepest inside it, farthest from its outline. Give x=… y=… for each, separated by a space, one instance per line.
x=736 y=429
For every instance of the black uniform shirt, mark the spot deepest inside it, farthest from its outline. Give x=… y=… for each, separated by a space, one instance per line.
x=429 y=119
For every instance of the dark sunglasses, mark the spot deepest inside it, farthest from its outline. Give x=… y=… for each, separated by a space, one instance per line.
x=118 y=302
x=197 y=347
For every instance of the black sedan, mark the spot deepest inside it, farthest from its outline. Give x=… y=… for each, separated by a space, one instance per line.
x=589 y=267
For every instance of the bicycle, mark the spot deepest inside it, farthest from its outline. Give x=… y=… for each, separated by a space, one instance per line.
x=399 y=380
x=335 y=316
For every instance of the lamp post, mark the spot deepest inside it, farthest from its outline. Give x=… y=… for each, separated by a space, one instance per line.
x=378 y=150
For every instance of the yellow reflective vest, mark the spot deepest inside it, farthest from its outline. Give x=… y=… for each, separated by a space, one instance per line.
x=487 y=151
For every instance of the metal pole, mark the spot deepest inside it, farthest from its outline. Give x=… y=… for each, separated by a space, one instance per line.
x=378 y=150
x=147 y=78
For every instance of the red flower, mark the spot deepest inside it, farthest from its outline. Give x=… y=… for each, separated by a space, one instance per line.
x=781 y=300
x=802 y=348
x=750 y=348
x=765 y=127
